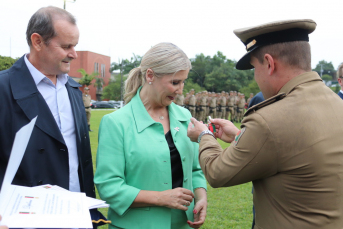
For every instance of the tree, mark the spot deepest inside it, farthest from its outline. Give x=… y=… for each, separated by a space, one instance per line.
x=324 y=67
x=327 y=77
x=112 y=90
x=87 y=78
x=6 y=62
x=190 y=85
x=126 y=65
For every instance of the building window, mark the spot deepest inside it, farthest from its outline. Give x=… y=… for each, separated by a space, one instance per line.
x=102 y=70
x=96 y=67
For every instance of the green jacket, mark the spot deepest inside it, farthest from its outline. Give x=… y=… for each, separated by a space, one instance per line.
x=133 y=155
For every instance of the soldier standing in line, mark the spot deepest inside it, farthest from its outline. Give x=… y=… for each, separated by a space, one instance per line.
x=249 y=99
x=230 y=106
x=192 y=103
x=227 y=113
x=235 y=105
x=218 y=106
x=208 y=101
x=223 y=105
x=202 y=104
x=241 y=105
x=213 y=105
x=86 y=97
x=179 y=99
x=186 y=101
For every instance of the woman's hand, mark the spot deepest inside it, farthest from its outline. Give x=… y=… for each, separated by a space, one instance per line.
x=177 y=198
x=200 y=208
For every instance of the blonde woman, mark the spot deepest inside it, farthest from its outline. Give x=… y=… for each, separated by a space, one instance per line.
x=147 y=168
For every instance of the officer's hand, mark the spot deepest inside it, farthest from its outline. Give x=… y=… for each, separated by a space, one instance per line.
x=194 y=129
x=225 y=130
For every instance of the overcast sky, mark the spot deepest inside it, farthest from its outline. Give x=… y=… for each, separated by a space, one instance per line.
x=120 y=28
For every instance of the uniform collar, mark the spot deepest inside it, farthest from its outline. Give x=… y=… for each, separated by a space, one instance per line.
x=300 y=79
x=144 y=120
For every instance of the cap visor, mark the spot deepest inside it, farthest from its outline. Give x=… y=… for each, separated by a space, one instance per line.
x=244 y=62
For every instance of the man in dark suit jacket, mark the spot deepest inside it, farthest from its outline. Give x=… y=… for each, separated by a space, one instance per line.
x=340 y=79
x=58 y=152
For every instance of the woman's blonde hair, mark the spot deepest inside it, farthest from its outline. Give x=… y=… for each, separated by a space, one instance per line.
x=163 y=59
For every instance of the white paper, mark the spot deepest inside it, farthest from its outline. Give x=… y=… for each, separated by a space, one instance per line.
x=40 y=208
x=26 y=207
x=92 y=202
x=21 y=140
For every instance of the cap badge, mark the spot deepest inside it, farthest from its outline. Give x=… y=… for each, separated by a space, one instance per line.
x=252 y=43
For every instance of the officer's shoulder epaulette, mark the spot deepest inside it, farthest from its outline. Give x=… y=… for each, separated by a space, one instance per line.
x=265 y=103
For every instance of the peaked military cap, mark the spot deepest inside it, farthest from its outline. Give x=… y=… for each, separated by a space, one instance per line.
x=272 y=33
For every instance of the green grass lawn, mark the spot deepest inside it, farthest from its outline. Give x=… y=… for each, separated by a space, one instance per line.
x=227 y=207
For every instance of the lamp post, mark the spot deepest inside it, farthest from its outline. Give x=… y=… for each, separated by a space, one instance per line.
x=64 y=6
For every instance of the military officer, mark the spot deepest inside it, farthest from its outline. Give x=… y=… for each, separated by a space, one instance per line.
x=86 y=97
x=290 y=145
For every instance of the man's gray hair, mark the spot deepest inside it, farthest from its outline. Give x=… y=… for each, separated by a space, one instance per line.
x=42 y=23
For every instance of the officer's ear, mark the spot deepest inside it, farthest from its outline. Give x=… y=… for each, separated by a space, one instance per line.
x=270 y=63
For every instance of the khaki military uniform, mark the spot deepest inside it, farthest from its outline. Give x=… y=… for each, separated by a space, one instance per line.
x=223 y=107
x=213 y=107
x=230 y=105
x=235 y=101
x=192 y=105
x=248 y=101
x=87 y=103
x=179 y=100
x=202 y=110
x=240 y=109
x=290 y=147
x=186 y=102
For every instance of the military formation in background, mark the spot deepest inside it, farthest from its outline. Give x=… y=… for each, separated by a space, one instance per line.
x=223 y=105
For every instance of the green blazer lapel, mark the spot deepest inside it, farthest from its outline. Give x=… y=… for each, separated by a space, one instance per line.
x=139 y=113
x=176 y=119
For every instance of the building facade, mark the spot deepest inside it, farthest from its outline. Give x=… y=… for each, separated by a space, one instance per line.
x=92 y=62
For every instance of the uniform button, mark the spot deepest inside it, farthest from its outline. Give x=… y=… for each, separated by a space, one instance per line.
x=186 y=179
x=41 y=150
x=165 y=183
x=40 y=182
x=85 y=136
x=184 y=158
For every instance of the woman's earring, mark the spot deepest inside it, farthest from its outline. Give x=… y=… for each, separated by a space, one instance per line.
x=150 y=83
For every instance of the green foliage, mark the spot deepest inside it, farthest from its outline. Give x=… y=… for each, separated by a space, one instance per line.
x=190 y=85
x=251 y=88
x=86 y=78
x=326 y=67
x=126 y=65
x=6 y=62
x=326 y=77
x=112 y=90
